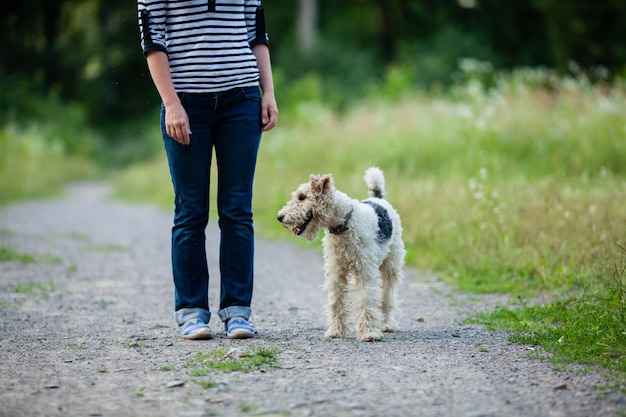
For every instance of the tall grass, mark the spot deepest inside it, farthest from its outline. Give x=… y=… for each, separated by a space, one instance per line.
x=512 y=187
x=47 y=143
x=37 y=160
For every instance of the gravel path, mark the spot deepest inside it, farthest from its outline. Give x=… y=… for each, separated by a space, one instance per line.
x=97 y=336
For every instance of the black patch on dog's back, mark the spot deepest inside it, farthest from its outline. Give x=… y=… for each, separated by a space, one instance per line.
x=385 y=227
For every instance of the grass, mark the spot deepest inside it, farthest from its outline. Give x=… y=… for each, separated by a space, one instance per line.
x=208 y=383
x=108 y=248
x=33 y=288
x=246 y=408
x=8 y=255
x=11 y=255
x=104 y=304
x=220 y=359
x=573 y=331
x=35 y=160
x=588 y=329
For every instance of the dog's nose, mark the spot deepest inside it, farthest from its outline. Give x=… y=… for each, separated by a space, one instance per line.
x=280 y=218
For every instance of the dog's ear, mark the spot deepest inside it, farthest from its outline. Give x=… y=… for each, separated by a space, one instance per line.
x=326 y=183
x=321 y=185
x=315 y=184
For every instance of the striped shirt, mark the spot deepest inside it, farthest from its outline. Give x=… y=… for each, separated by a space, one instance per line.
x=208 y=42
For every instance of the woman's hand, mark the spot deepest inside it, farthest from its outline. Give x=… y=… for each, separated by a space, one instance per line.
x=177 y=123
x=269 y=111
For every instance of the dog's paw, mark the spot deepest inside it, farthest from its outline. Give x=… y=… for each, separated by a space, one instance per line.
x=372 y=336
x=333 y=334
x=388 y=328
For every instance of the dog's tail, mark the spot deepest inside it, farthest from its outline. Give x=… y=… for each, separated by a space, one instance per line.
x=375 y=181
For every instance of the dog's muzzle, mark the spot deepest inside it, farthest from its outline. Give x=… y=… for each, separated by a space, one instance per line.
x=297 y=229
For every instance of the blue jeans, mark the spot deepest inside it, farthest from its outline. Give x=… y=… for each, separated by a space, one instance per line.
x=230 y=123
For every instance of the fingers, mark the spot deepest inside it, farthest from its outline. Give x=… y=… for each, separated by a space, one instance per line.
x=269 y=117
x=180 y=134
x=269 y=122
x=177 y=125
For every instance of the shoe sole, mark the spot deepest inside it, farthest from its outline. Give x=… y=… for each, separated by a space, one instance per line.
x=240 y=334
x=202 y=334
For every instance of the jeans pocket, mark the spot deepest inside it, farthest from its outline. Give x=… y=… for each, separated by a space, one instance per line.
x=251 y=93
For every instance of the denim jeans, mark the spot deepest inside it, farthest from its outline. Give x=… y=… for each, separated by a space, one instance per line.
x=230 y=123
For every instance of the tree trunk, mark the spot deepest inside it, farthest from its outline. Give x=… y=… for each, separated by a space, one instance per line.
x=307 y=26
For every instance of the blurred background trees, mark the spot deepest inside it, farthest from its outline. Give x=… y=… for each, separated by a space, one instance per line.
x=87 y=51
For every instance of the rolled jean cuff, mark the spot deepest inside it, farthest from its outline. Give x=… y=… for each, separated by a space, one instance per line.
x=185 y=314
x=228 y=313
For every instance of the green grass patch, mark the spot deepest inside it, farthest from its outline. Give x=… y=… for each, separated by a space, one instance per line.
x=208 y=383
x=108 y=248
x=588 y=329
x=104 y=304
x=573 y=331
x=221 y=359
x=246 y=408
x=9 y=254
x=33 y=288
x=75 y=236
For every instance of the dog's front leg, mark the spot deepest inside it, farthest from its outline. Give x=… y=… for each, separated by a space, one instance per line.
x=337 y=308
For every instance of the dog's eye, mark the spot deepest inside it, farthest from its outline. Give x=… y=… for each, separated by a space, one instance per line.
x=302 y=197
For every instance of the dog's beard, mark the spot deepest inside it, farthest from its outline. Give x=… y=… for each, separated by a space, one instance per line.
x=299 y=229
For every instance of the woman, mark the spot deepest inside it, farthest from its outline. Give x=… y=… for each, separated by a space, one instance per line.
x=210 y=63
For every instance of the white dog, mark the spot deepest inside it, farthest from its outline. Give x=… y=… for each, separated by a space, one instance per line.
x=363 y=247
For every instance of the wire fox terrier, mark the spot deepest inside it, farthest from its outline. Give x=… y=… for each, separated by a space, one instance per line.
x=363 y=249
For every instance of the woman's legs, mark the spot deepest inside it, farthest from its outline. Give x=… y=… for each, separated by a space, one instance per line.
x=230 y=122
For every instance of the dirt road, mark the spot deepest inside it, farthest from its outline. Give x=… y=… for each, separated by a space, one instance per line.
x=88 y=330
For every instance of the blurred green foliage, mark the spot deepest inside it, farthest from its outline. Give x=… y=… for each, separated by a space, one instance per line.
x=87 y=51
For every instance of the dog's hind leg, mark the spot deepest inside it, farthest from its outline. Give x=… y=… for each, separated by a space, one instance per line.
x=337 y=308
x=369 y=317
x=391 y=271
